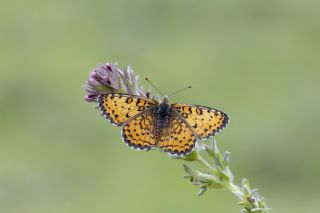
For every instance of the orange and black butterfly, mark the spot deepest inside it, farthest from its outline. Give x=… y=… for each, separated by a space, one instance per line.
x=148 y=124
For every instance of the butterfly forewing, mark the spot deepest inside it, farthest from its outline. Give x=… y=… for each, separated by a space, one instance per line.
x=177 y=138
x=205 y=121
x=119 y=108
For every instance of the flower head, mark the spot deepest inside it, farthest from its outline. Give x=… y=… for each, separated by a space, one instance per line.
x=108 y=78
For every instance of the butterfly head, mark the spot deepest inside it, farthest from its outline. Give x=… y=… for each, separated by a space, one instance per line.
x=165 y=100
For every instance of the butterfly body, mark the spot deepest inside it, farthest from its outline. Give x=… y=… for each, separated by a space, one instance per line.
x=163 y=114
x=148 y=124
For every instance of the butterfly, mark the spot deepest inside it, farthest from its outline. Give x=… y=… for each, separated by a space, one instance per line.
x=147 y=123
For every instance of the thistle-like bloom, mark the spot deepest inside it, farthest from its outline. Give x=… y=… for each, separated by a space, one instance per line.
x=109 y=78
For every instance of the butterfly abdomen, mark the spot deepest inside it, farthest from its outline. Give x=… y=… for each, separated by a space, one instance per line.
x=163 y=116
x=162 y=120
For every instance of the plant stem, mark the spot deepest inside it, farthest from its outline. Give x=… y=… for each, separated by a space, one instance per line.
x=235 y=189
x=216 y=174
x=204 y=163
x=230 y=185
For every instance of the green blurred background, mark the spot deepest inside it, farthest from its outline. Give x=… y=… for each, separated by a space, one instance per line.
x=256 y=60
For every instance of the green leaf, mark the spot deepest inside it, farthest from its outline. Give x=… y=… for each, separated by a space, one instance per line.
x=226 y=158
x=190 y=171
x=202 y=190
x=209 y=150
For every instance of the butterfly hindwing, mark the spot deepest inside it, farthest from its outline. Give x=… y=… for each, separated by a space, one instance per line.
x=178 y=138
x=119 y=108
x=138 y=133
x=205 y=121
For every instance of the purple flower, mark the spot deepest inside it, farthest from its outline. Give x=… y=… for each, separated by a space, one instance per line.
x=108 y=78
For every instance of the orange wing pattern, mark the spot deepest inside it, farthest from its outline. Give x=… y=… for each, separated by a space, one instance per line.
x=205 y=121
x=177 y=138
x=119 y=108
x=138 y=133
x=176 y=133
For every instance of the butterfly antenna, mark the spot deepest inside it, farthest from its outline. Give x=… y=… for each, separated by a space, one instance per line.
x=147 y=79
x=188 y=87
